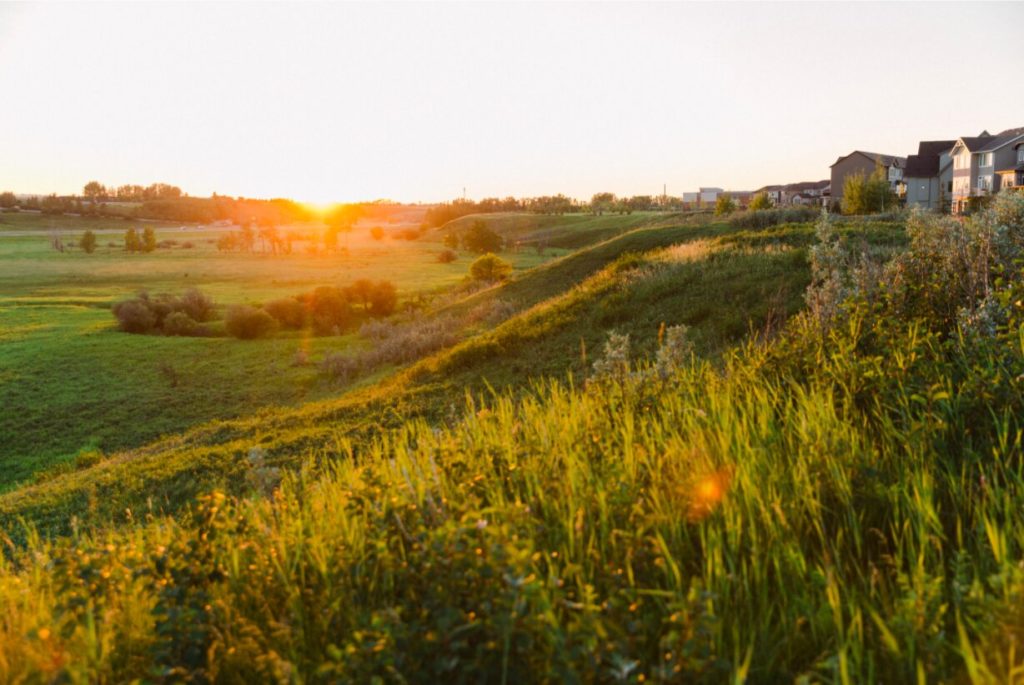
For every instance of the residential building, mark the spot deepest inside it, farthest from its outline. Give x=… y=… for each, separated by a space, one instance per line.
x=858 y=162
x=774 y=193
x=710 y=195
x=804 y=190
x=928 y=175
x=975 y=161
x=1013 y=176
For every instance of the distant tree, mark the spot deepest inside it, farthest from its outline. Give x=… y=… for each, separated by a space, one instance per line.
x=51 y=204
x=724 y=205
x=640 y=203
x=490 y=267
x=148 y=239
x=88 y=242
x=451 y=240
x=361 y=291
x=602 y=202
x=134 y=316
x=481 y=239
x=330 y=312
x=447 y=256
x=197 y=305
x=94 y=191
x=761 y=201
x=289 y=312
x=377 y=233
x=131 y=241
x=8 y=199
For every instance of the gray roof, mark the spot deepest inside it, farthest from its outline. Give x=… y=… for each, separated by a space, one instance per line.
x=925 y=164
x=886 y=160
x=998 y=141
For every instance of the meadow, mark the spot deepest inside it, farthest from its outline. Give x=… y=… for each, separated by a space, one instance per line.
x=71 y=383
x=798 y=459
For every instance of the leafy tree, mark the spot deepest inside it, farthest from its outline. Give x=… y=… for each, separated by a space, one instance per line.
x=446 y=256
x=94 y=191
x=8 y=199
x=377 y=233
x=602 y=202
x=451 y=240
x=361 y=291
x=330 y=311
x=867 y=195
x=490 y=267
x=131 y=241
x=88 y=242
x=481 y=239
x=724 y=205
x=761 y=201
x=148 y=239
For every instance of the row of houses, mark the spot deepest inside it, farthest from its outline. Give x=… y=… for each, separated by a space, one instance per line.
x=943 y=174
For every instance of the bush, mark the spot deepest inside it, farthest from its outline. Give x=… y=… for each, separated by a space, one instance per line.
x=330 y=312
x=446 y=256
x=134 y=316
x=492 y=312
x=760 y=202
x=724 y=205
x=180 y=323
x=340 y=367
x=89 y=242
x=248 y=323
x=377 y=233
x=766 y=218
x=480 y=239
x=197 y=305
x=490 y=267
x=383 y=299
x=287 y=311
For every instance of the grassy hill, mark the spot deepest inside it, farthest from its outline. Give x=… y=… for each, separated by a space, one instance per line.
x=837 y=498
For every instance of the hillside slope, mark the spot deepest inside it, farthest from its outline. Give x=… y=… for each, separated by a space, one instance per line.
x=634 y=295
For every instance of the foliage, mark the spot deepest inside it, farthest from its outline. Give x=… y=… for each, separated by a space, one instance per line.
x=765 y=218
x=446 y=256
x=760 y=202
x=868 y=195
x=248 y=323
x=180 y=323
x=8 y=199
x=490 y=267
x=724 y=205
x=288 y=312
x=329 y=310
x=481 y=239
x=88 y=242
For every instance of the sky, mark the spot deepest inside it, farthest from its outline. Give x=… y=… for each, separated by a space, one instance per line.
x=416 y=102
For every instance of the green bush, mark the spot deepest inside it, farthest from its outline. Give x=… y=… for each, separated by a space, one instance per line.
x=288 y=312
x=180 y=324
x=330 y=311
x=134 y=316
x=490 y=267
x=481 y=239
x=248 y=323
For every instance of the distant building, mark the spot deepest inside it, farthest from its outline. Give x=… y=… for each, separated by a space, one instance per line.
x=691 y=198
x=802 y=193
x=710 y=195
x=859 y=161
x=1013 y=177
x=928 y=175
x=975 y=161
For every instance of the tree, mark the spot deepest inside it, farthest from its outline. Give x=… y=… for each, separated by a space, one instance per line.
x=451 y=240
x=8 y=199
x=88 y=242
x=602 y=202
x=361 y=291
x=94 y=191
x=148 y=239
x=761 y=201
x=383 y=298
x=481 y=239
x=377 y=233
x=247 y=323
x=490 y=267
x=131 y=241
x=867 y=195
x=724 y=205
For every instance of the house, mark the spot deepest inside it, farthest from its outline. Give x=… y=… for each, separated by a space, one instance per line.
x=859 y=161
x=975 y=160
x=928 y=175
x=691 y=198
x=1013 y=176
x=804 y=190
x=774 y=193
x=710 y=195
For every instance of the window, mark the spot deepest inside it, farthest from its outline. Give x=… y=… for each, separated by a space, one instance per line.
x=1020 y=155
x=962 y=161
x=985 y=159
x=984 y=183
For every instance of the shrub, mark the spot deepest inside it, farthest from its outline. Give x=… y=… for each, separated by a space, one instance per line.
x=383 y=298
x=766 y=218
x=481 y=239
x=89 y=242
x=760 y=202
x=248 y=323
x=446 y=256
x=377 y=233
x=724 y=205
x=451 y=240
x=490 y=267
x=197 y=305
x=287 y=311
x=330 y=312
x=492 y=312
x=180 y=323
x=187 y=245
x=340 y=367
x=614 y=363
x=134 y=316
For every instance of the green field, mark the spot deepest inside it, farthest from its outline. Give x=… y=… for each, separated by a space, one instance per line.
x=819 y=480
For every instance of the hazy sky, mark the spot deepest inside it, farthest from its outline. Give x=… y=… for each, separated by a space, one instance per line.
x=415 y=101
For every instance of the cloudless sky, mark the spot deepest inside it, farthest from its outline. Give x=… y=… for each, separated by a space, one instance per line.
x=413 y=102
